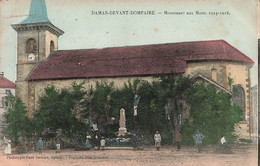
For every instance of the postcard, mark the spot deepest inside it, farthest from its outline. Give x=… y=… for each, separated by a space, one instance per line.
x=127 y=82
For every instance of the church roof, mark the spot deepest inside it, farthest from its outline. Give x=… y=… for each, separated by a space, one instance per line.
x=37 y=13
x=141 y=60
x=5 y=83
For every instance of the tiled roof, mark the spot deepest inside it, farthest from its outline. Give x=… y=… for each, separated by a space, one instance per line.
x=133 y=60
x=5 y=83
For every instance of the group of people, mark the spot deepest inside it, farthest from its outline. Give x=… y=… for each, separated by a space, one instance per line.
x=100 y=143
x=89 y=143
x=198 y=137
x=40 y=144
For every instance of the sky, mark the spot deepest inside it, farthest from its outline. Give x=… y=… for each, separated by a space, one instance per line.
x=85 y=30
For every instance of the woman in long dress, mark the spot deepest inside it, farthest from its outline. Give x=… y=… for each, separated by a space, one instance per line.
x=88 y=143
x=8 y=149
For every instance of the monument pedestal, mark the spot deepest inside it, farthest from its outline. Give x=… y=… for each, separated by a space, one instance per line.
x=121 y=131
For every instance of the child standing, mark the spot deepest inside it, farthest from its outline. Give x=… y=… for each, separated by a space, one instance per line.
x=40 y=144
x=198 y=140
x=102 y=143
x=157 y=140
x=58 y=141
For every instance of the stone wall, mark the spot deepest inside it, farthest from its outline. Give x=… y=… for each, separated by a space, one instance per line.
x=239 y=72
x=205 y=68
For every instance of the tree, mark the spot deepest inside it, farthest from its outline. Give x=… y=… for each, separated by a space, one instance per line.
x=56 y=111
x=18 y=123
x=171 y=93
x=212 y=113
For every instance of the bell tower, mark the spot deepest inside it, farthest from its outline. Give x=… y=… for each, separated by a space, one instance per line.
x=37 y=37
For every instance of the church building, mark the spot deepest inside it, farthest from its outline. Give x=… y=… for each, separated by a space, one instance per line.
x=40 y=64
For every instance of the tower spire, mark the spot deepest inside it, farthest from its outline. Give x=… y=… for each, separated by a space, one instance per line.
x=38 y=13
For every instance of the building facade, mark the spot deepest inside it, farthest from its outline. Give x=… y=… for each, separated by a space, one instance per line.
x=40 y=64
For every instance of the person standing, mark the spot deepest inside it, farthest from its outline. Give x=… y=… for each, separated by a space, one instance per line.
x=58 y=142
x=198 y=140
x=102 y=143
x=178 y=139
x=40 y=144
x=7 y=143
x=88 y=143
x=96 y=141
x=223 y=142
x=157 y=140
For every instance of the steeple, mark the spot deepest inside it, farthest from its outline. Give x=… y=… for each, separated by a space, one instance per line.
x=37 y=19
x=38 y=13
x=37 y=38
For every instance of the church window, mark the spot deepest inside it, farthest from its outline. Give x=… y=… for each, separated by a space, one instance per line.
x=31 y=46
x=52 y=46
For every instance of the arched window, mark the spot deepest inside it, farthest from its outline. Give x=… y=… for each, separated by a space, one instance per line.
x=52 y=46
x=31 y=46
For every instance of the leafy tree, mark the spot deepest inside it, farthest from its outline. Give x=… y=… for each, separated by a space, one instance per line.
x=212 y=113
x=18 y=123
x=56 y=111
x=154 y=97
x=99 y=96
x=170 y=93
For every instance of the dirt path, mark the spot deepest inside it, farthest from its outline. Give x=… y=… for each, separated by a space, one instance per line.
x=243 y=155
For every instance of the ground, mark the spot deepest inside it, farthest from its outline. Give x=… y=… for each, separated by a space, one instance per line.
x=235 y=155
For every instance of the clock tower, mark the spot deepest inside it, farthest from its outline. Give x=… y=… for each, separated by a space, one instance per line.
x=37 y=37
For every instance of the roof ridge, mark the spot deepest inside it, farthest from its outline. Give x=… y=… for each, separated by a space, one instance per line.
x=142 y=45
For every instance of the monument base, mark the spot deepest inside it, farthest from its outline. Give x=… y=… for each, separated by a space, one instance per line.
x=121 y=131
